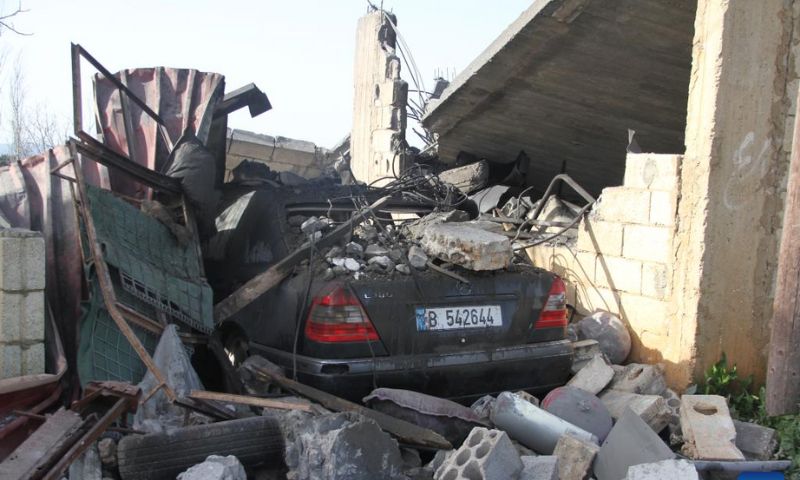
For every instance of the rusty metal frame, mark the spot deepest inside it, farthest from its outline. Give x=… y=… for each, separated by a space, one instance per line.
x=104 y=279
x=127 y=400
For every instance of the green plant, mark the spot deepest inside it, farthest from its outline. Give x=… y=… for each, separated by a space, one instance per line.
x=722 y=379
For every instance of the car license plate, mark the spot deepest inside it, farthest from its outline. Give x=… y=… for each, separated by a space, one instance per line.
x=455 y=318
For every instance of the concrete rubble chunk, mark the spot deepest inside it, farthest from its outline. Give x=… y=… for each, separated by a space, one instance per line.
x=485 y=454
x=583 y=352
x=708 y=430
x=468 y=178
x=575 y=457
x=313 y=225
x=338 y=446
x=87 y=466
x=543 y=467
x=755 y=441
x=532 y=426
x=630 y=442
x=403 y=268
x=666 y=469
x=415 y=229
x=353 y=249
x=382 y=263
x=417 y=257
x=640 y=378
x=107 y=448
x=594 y=377
x=216 y=467
x=610 y=332
x=651 y=408
x=483 y=406
x=674 y=406
x=467 y=246
x=375 y=250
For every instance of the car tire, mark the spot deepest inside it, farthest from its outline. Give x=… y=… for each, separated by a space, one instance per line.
x=255 y=441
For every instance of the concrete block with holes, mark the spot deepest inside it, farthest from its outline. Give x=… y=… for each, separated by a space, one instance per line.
x=484 y=455
x=708 y=430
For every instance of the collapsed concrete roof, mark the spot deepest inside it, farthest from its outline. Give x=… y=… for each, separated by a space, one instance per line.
x=565 y=81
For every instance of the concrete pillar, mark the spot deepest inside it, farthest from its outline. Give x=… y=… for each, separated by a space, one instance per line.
x=732 y=183
x=379 y=102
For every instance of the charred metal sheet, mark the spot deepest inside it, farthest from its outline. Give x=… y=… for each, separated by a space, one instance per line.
x=249 y=96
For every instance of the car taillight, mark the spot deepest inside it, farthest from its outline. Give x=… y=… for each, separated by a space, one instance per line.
x=554 y=313
x=336 y=316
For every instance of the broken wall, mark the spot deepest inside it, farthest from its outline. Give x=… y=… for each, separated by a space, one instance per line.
x=379 y=102
x=719 y=274
x=280 y=154
x=622 y=261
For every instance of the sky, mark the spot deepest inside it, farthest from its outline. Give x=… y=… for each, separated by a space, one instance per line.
x=299 y=53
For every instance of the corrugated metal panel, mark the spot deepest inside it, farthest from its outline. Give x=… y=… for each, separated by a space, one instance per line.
x=183 y=98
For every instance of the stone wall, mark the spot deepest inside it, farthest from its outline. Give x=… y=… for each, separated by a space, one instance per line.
x=22 y=278
x=622 y=261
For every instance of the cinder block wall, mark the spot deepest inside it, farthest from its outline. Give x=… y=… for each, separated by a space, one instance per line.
x=622 y=262
x=22 y=277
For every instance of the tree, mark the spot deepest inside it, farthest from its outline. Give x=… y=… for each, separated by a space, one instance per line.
x=7 y=19
x=34 y=128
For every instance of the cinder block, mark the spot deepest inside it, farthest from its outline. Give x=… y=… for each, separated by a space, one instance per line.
x=656 y=280
x=591 y=299
x=10 y=361
x=640 y=378
x=12 y=312
x=647 y=243
x=676 y=469
x=33 y=359
x=645 y=314
x=543 y=467
x=708 y=430
x=33 y=263
x=663 y=208
x=575 y=457
x=32 y=322
x=583 y=352
x=625 y=205
x=652 y=171
x=485 y=454
x=11 y=265
x=620 y=274
x=652 y=409
x=755 y=442
x=595 y=235
x=594 y=377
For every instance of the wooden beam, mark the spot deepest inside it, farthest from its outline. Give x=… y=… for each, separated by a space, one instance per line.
x=783 y=367
x=247 y=400
x=405 y=431
x=265 y=281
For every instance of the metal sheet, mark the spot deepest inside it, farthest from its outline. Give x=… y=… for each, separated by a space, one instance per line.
x=183 y=98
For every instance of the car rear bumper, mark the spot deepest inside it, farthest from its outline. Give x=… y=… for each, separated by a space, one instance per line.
x=534 y=367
